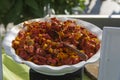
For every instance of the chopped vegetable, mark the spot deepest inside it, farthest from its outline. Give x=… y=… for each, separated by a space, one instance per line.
x=37 y=43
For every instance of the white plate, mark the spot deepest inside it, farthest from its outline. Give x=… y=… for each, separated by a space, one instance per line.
x=46 y=69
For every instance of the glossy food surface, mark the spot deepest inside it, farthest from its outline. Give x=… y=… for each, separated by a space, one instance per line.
x=36 y=42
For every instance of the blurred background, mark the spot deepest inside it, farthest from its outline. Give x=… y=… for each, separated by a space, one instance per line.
x=17 y=11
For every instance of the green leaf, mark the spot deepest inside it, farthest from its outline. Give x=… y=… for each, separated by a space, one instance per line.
x=37 y=13
x=5 y=5
x=32 y=3
x=14 y=12
x=33 y=7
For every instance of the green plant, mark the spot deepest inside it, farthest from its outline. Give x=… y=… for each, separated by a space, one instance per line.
x=19 y=10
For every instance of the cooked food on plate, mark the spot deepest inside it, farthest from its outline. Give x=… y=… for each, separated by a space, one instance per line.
x=38 y=42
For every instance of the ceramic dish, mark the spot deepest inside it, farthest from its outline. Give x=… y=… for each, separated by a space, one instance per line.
x=46 y=69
